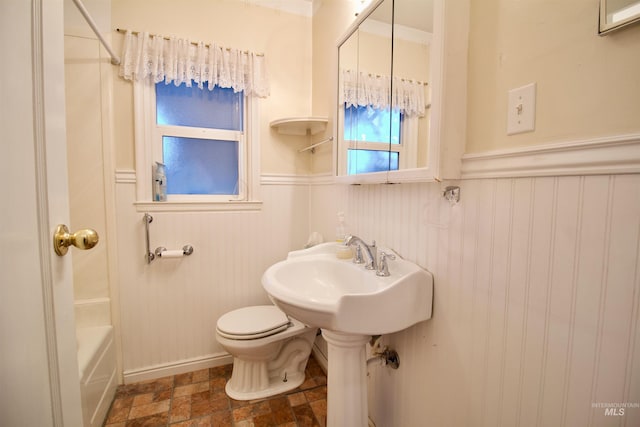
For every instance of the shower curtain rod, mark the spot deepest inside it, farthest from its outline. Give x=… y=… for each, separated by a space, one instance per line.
x=115 y=60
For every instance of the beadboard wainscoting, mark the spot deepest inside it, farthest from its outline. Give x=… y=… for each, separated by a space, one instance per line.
x=169 y=308
x=536 y=299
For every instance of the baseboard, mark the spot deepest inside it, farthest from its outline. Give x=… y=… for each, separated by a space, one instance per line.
x=189 y=365
x=179 y=367
x=618 y=154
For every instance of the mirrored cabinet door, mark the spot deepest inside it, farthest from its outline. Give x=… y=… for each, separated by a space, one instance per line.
x=366 y=124
x=384 y=92
x=412 y=38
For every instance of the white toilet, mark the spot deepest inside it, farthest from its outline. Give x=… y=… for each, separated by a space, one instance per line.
x=269 y=349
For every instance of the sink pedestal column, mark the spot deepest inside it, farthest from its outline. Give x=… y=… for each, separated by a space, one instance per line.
x=346 y=380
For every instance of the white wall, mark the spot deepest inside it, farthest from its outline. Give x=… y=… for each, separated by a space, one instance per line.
x=331 y=19
x=587 y=86
x=169 y=308
x=284 y=38
x=87 y=142
x=535 y=303
x=537 y=295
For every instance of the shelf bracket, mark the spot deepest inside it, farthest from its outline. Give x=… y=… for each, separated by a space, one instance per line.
x=313 y=146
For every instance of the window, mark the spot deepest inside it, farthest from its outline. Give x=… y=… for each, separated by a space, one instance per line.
x=210 y=163
x=203 y=137
x=365 y=161
x=201 y=166
x=374 y=139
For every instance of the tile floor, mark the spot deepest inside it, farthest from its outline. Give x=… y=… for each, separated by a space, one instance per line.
x=198 y=399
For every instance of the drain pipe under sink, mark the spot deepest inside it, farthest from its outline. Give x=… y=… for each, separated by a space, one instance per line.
x=384 y=355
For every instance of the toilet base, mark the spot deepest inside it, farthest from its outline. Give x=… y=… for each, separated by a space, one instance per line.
x=256 y=379
x=275 y=385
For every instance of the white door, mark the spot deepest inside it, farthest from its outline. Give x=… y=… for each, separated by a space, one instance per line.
x=39 y=384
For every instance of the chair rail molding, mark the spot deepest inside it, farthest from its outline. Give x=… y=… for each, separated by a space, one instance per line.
x=125 y=176
x=617 y=154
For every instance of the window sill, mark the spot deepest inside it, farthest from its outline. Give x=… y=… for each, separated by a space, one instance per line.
x=197 y=206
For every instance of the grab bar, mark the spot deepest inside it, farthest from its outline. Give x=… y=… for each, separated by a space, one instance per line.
x=161 y=252
x=150 y=256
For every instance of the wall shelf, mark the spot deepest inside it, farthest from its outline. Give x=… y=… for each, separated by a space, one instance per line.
x=300 y=125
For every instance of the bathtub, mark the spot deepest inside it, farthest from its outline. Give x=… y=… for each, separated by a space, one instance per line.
x=97 y=366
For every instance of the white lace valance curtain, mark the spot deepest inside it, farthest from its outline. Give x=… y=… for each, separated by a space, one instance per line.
x=363 y=89
x=180 y=61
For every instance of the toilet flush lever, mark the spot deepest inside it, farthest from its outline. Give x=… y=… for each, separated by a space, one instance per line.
x=81 y=239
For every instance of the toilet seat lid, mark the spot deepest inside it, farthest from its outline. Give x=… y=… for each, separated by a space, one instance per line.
x=252 y=322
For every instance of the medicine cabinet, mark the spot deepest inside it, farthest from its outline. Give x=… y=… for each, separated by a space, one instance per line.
x=393 y=82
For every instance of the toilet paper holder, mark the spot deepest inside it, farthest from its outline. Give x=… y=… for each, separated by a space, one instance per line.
x=186 y=251
x=161 y=251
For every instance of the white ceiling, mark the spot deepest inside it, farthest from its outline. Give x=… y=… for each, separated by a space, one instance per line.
x=417 y=14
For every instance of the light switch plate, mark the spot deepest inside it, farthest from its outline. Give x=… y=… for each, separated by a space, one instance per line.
x=521 y=110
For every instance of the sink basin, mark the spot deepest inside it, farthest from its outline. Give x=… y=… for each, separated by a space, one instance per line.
x=317 y=288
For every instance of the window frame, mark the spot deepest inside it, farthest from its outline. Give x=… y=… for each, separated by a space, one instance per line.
x=161 y=131
x=148 y=150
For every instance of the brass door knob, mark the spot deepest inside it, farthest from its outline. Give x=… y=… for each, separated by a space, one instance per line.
x=81 y=239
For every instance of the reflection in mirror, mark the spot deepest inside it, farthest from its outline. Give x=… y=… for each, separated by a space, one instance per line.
x=616 y=14
x=384 y=70
x=413 y=29
x=365 y=119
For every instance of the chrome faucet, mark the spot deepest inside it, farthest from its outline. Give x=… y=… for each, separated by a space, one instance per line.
x=370 y=250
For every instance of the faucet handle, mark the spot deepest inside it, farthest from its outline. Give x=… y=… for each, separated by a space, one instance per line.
x=383 y=267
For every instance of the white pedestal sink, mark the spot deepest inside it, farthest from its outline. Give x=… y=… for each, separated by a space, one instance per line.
x=347 y=379
x=349 y=304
